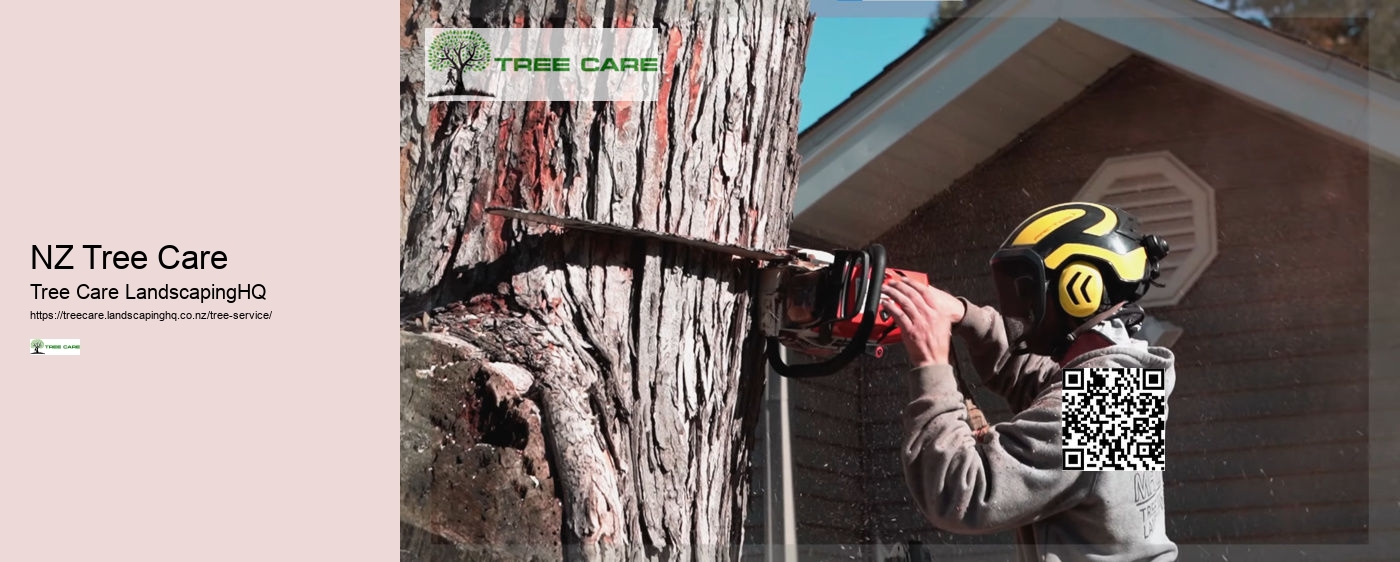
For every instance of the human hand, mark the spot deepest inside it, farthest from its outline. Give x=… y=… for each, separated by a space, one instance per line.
x=925 y=315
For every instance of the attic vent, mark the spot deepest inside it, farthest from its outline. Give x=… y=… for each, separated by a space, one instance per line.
x=1171 y=202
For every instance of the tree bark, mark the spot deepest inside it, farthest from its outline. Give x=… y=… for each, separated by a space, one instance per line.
x=646 y=371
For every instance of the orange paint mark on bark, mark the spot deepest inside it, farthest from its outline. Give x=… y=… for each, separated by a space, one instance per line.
x=503 y=136
x=551 y=182
x=435 y=114
x=405 y=11
x=507 y=177
x=663 y=98
x=694 y=88
x=506 y=174
x=495 y=224
x=746 y=230
x=525 y=169
x=622 y=110
x=532 y=148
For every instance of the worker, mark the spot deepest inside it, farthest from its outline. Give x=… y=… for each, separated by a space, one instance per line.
x=1067 y=279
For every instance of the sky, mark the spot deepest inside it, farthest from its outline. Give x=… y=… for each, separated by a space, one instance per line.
x=845 y=53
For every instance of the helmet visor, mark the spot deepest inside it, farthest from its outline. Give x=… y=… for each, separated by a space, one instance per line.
x=1021 y=285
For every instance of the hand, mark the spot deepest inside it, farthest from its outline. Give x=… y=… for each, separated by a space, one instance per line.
x=926 y=316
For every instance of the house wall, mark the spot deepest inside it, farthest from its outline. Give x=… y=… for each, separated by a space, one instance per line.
x=1385 y=351
x=1267 y=440
x=756 y=512
x=827 y=461
x=828 y=484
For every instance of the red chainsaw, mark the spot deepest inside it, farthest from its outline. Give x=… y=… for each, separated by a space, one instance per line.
x=824 y=305
x=827 y=305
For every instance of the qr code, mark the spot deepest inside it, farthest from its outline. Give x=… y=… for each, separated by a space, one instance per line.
x=1114 y=419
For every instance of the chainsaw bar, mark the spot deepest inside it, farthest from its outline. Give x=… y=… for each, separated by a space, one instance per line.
x=605 y=228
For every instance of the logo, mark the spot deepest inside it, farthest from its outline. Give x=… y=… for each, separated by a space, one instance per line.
x=1148 y=493
x=542 y=64
x=456 y=52
x=54 y=347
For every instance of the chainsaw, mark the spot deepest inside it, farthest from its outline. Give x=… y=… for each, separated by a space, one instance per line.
x=822 y=304
x=828 y=306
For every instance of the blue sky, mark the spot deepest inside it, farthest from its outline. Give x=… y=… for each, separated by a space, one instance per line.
x=845 y=53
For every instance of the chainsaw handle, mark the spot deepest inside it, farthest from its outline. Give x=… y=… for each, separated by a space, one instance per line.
x=874 y=263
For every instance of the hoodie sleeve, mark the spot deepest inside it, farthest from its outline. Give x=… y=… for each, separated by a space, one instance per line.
x=1017 y=378
x=1011 y=478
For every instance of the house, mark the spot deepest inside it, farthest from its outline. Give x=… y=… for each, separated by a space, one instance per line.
x=1271 y=167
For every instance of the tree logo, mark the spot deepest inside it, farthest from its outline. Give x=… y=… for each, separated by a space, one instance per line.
x=456 y=52
x=52 y=347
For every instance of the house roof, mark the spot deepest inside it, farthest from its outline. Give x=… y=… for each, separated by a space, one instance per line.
x=966 y=91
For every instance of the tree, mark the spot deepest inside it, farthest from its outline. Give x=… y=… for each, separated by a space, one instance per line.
x=946 y=13
x=569 y=390
x=457 y=51
x=36 y=344
x=1363 y=31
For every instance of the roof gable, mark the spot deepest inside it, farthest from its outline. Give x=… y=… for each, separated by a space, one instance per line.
x=958 y=98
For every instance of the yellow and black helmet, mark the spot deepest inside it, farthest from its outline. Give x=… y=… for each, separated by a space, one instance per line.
x=1084 y=257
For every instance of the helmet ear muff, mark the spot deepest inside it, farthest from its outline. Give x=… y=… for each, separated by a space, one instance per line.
x=1080 y=289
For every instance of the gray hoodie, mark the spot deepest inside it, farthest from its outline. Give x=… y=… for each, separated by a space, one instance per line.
x=1011 y=478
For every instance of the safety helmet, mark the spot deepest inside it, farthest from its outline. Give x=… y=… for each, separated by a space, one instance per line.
x=1081 y=257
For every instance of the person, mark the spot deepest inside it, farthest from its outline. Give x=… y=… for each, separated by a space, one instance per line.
x=1067 y=280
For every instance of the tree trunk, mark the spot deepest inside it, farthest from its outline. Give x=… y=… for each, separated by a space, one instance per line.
x=636 y=370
